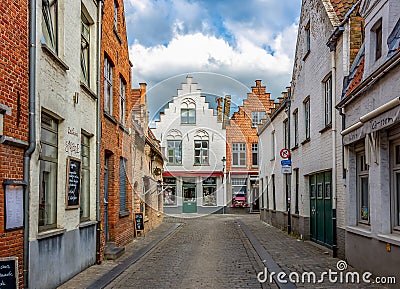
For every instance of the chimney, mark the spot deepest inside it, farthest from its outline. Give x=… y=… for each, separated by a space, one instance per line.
x=258 y=83
x=143 y=92
x=227 y=110
x=219 y=109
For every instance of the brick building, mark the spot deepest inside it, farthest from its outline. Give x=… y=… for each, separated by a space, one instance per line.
x=115 y=150
x=242 y=149
x=13 y=127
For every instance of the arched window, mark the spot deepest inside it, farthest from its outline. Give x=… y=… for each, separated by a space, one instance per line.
x=174 y=147
x=188 y=111
x=201 y=146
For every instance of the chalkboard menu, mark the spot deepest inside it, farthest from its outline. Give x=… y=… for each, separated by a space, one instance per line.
x=73 y=182
x=139 y=222
x=9 y=272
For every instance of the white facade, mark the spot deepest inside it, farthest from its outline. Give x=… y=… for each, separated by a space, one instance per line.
x=190 y=125
x=62 y=237
x=371 y=137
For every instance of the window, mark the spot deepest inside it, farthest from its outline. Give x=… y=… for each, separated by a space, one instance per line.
x=254 y=153
x=362 y=188
x=85 y=191
x=174 y=152
x=285 y=134
x=108 y=86
x=328 y=100
x=169 y=191
x=122 y=185
x=210 y=192
x=308 y=37
x=85 y=48
x=50 y=23
x=395 y=179
x=239 y=154
x=296 y=127
x=257 y=117
x=48 y=161
x=201 y=152
x=273 y=193
x=307 y=118
x=273 y=145
x=239 y=192
x=116 y=16
x=296 y=178
x=188 y=111
x=122 y=100
x=377 y=39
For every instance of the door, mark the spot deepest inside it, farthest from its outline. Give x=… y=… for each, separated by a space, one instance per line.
x=255 y=205
x=321 y=227
x=189 y=197
x=106 y=197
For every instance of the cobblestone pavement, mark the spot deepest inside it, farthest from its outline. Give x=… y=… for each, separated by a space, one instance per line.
x=214 y=252
x=206 y=252
x=298 y=256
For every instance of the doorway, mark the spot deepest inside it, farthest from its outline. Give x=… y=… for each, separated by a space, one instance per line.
x=189 y=196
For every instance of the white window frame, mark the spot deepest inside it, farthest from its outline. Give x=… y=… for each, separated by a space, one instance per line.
x=50 y=24
x=122 y=100
x=257 y=117
x=171 y=151
x=362 y=174
x=85 y=191
x=239 y=148
x=85 y=49
x=307 y=118
x=116 y=6
x=296 y=127
x=328 y=100
x=395 y=191
x=108 y=86
x=254 y=151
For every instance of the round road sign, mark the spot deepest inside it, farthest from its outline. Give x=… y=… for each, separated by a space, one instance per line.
x=284 y=153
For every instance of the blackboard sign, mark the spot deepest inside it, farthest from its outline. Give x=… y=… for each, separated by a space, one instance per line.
x=73 y=182
x=139 y=222
x=9 y=272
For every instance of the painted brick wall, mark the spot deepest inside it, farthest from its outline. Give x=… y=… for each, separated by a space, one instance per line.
x=13 y=94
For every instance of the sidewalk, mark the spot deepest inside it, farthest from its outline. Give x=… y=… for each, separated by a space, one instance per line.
x=293 y=255
x=133 y=251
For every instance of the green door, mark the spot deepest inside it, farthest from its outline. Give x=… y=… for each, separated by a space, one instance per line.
x=321 y=208
x=189 y=197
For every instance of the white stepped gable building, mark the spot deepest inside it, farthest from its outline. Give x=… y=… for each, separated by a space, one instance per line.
x=194 y=143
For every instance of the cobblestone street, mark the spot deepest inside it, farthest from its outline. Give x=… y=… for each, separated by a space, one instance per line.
x=206 y=252
x=215 y=251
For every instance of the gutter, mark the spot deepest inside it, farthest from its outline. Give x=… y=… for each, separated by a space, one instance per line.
x=32 y=133
x=98 y=134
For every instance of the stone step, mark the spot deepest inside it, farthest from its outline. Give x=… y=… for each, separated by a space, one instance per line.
x=113 y=252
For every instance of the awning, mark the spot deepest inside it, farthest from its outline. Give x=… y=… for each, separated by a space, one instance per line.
x=376 y=120
x=193 y=174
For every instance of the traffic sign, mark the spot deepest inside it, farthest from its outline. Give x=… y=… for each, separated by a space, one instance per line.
x=286 y=162
x=286 y=170
x=284 y=153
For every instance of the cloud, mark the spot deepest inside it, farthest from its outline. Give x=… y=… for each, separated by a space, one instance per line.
x=243 y=40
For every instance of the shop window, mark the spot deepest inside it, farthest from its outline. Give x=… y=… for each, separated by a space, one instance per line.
x=85 y=190
x=239 y=192
x=362 y=188
x=50 y=24
x=169 y=191
x=210 y=192
x=48 y=161
x=239 y=154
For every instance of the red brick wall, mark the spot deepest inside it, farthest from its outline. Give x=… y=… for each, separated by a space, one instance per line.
x=240 y=130
x=13 y=85
x=115 y=139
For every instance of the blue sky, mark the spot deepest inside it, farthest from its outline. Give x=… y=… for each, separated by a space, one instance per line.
x=236 y=39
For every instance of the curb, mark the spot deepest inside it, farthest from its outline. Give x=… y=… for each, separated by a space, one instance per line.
x=120 y=268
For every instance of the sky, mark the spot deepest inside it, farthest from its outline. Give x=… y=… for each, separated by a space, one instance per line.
x=224 y=44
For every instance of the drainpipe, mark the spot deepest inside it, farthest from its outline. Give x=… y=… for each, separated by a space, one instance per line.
x=334 y=167
x=98 y=133
x=289 y=189
x=32 y=133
